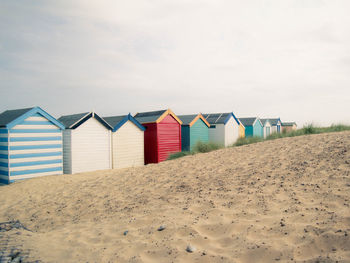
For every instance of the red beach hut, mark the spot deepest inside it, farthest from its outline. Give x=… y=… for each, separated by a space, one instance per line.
x=162 y=134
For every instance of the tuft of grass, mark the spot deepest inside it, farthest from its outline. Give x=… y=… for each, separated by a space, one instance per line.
x=247 y=140
x=204 y=147
x=178 y=155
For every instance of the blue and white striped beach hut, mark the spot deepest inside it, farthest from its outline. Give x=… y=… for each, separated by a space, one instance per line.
x=30 y=144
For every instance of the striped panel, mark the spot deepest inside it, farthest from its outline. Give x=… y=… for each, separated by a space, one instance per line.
x=27 y=126
x=40 y=135
x=19 y=143
x=35 y=172
x=16 y=169
x=35 y=131
x=33 y=175
x=41 y=162
x=32 y=155
x=37 y=118
x=34 y=159
x=35 y=139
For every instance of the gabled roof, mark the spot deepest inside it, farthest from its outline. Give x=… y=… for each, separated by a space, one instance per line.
x=288 y=123
x=11 y=118
x=75 y=120
x=219 y=118
x=118 y=121
x=191 y=119
x=263 y=121
x=155 y=116
x=274 y=121
x=250 y=121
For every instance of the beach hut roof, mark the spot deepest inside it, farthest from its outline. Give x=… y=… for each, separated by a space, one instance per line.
x=219 y=118
x=75 y=120
x=192 y=118
x=11 y=118
x=288 y=123
x=250 y=121
x=155 y=116
x=117 y=121
x=263 y=121
x=274 y=121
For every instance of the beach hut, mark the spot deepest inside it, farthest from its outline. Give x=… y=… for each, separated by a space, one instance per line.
x=30 y=144
x=127 y=141
x=253 y=127
x=224 y=128
x=194 y=129
x=86 y=143
x=289 y=126
x=267 y=127
x=162 y=134
x=241 y=129
x=276 y=125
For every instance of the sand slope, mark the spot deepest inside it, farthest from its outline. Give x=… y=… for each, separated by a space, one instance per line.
x=282 y=200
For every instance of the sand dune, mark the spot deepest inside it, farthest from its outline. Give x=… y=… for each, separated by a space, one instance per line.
x=282 y=200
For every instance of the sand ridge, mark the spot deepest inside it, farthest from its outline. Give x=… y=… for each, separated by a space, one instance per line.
x=280 y=200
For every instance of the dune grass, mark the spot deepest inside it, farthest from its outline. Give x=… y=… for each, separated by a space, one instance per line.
x=202 y=147
x=306 y=130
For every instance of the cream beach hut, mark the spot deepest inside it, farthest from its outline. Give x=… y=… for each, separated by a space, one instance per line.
x=30 y=144
x=86 y=143
x=127 y=141
x=267 y=127
x=224 y=128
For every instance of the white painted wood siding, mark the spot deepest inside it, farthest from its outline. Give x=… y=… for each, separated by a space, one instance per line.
x=231 y=132
x=91 y=147
x=267 y=124
x=128 y=146
x=217 y=134
x=67 y=152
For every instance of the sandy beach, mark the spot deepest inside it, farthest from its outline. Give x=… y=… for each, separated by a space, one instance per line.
x=284 y=200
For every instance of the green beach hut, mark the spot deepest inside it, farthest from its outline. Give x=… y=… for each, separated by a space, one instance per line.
x=253 y=127
x=194 y=128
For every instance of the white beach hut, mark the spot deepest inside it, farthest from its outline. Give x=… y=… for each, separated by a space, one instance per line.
x=30 y=144
x=127 y=141
x=86 y=143
x=224 y=128
x=267 y=127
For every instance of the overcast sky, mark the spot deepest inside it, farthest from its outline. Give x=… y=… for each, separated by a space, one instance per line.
x=272 y=58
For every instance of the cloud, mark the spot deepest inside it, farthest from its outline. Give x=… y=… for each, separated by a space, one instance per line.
x=254 y=57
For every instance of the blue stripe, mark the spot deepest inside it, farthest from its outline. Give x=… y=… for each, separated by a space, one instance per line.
x=32 y=147
x=4 y=156
x=30 y=155
x=44 y=170
x=4 y=164
x=34 y=163
x=3 y=139
x=36 y=123
x=35 y=131
x=3 y=130
x=4 y=172
x=34 y=139
x=3 y=148
x=3 y=181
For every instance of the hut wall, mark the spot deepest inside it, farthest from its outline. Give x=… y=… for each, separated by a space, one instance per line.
x=231 y=132
x=128 y=146
x=169 y=137
x=91 y=147
x=258 y=130
x=198 y=132
x=35 y=148
x=185 y=138
x=4 y=156
x=217 y=134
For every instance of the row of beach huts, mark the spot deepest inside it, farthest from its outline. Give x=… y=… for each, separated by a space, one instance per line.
x=33 y=143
